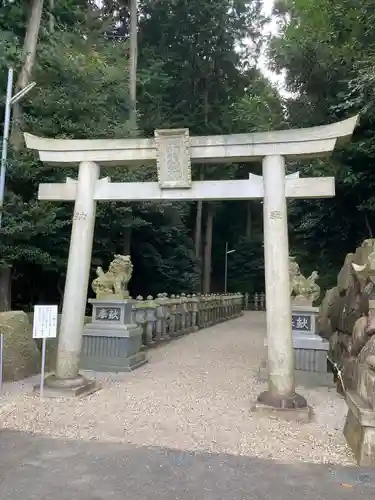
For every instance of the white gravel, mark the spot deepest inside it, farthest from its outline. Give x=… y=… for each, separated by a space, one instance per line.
x=194 y=394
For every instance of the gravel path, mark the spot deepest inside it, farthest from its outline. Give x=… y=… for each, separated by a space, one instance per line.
x=193 y=395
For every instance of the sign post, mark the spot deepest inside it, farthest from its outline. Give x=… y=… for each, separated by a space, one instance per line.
x=1 y=359
x=44 y=327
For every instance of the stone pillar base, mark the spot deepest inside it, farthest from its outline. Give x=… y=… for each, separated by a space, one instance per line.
x=111 y=342
x=112 y=349
x=288 y=408
x=359 y=430
x=77 y=387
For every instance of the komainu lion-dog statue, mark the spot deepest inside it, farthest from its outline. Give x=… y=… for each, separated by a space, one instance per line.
x=114 y=283
x=303 y=290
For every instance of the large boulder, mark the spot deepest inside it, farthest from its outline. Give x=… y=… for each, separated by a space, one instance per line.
x=345 y=278
x=21 y=354
x=323 y=326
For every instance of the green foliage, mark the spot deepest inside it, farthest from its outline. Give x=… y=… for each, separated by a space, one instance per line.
x=195 y=71
x=246 y=274
x=325 y=50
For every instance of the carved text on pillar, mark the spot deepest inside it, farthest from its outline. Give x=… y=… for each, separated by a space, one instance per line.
x=79 y=216
x=276 y=215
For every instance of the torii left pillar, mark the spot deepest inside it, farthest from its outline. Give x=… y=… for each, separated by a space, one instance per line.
x=77 y=279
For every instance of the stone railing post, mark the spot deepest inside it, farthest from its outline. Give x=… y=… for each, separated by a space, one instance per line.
x=213 y=315
x=256 y=302
x=220 y=301
x=242 y=303
x=162 y=315
x=205 y=311
x=168 y=309
x=226 y=307
x=215 y=309
x=208 y=309
x=172 y=316
x=200 y=311
x=183 y=312
x=246 y=304
x=140 y=316
x=230 y=306
x=229 y=301
x=179 y=330
x=235 y=305
x=150 y=308
x=218 y=304
x=263 y=301
x=189 y=308
x=194 y=313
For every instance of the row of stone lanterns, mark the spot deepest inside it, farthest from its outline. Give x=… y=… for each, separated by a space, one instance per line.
x=165 y=318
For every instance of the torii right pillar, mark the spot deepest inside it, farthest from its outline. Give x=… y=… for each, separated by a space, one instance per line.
x=281 y=393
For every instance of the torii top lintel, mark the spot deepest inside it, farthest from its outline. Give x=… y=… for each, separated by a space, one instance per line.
x=306 y=142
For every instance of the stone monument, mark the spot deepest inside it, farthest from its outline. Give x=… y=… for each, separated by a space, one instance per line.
x=347 y=320
x=112 y=342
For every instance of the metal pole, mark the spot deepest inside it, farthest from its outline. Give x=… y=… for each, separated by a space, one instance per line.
x=1 y=359
x=4 y=152
x=226 y=267
x=42 y=371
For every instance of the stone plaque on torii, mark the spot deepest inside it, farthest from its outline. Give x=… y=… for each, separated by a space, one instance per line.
x=174 y=151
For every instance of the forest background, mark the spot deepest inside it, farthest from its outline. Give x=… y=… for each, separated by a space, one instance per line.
x=122 y=68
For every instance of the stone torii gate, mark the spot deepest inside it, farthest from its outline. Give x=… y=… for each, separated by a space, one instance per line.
x=173 y=152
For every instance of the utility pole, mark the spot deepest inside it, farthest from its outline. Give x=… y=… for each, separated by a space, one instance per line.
x=9 y=101
x=227 y=252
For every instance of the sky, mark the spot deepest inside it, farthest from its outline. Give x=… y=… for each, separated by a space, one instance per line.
x=271 y=28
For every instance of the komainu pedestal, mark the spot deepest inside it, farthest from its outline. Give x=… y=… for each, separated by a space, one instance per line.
x=112 y=342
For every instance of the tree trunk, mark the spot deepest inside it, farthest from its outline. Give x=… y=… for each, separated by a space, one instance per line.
x=127 y=241
x=51 y=18
x=198 y=222
x=133 y=57
x=5 y=289
x=29 y=56
x=208 y=248
x=248 y=221
x=368 y=226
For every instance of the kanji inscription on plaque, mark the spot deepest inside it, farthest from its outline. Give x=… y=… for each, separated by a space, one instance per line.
x=108 y=314
x=173 y=158
x=302 y=322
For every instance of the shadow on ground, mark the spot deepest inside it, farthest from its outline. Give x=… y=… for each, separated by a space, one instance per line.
x=34 y=467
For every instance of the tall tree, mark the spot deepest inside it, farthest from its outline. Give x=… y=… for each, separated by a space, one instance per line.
x=29 y=57
x=133 y=57
x=324 y=49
